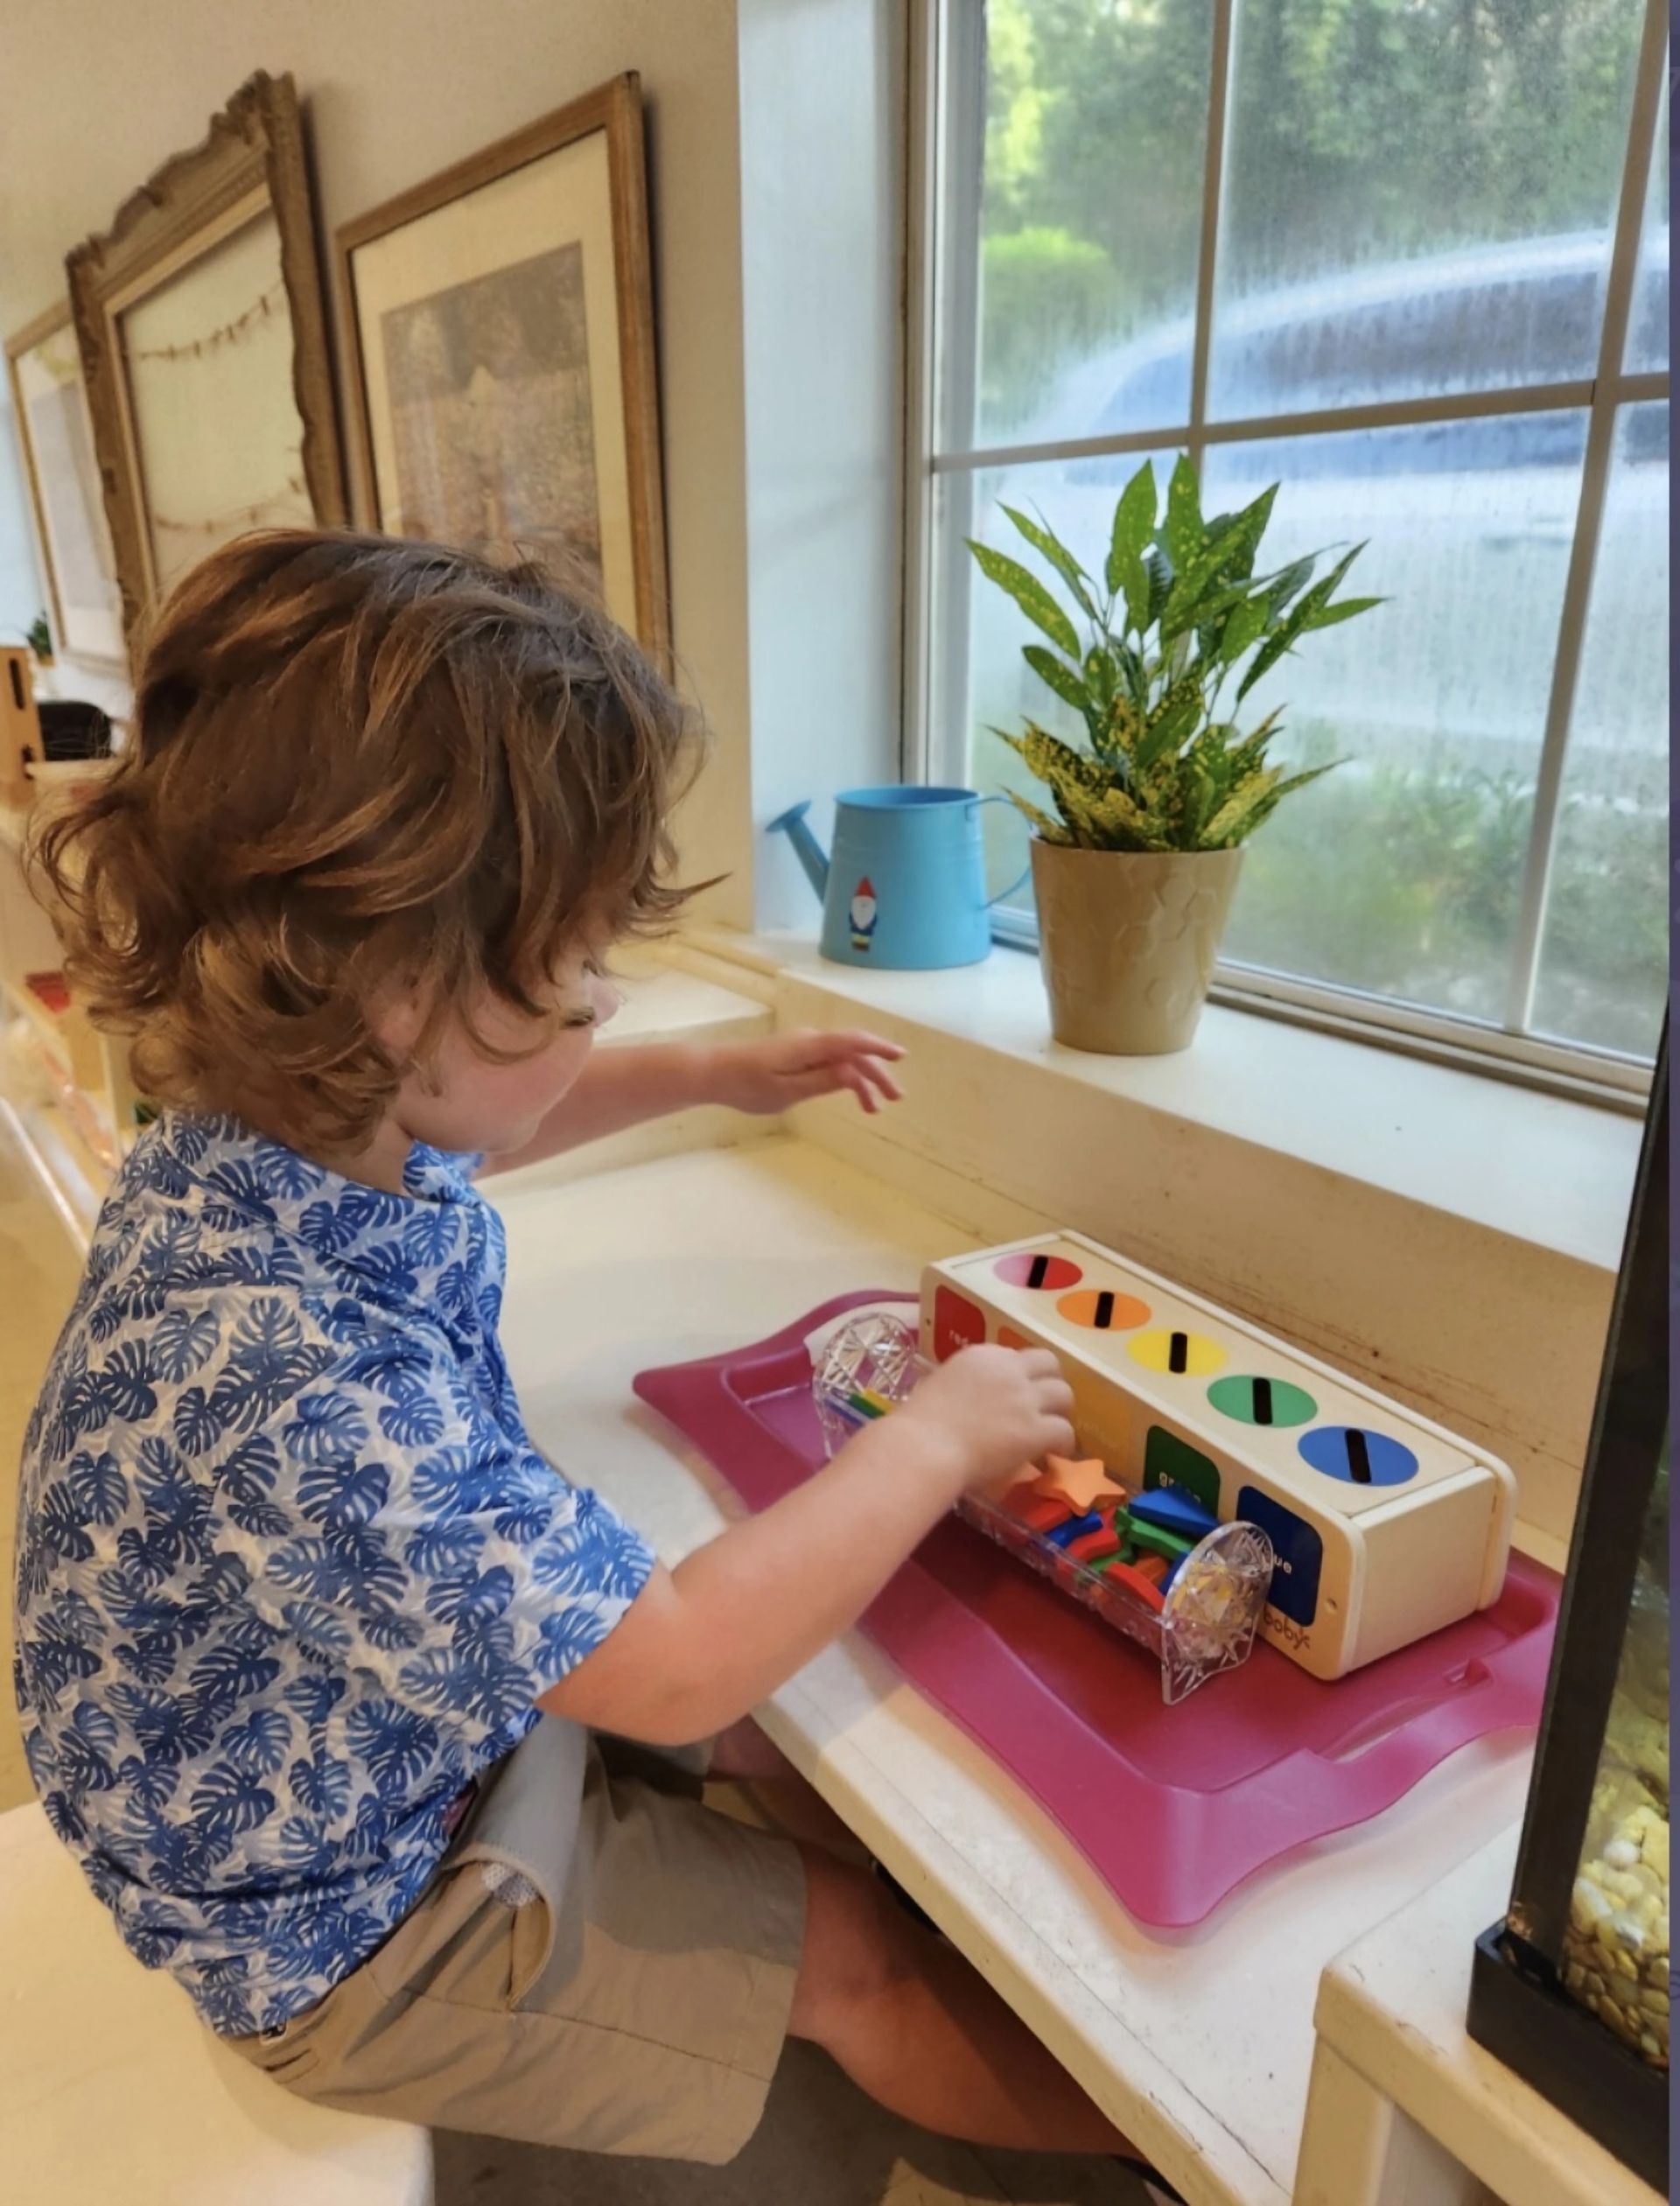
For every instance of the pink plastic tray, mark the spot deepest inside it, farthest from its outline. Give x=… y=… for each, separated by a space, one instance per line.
x=1173 y=1806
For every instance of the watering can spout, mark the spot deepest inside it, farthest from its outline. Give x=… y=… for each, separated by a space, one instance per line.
x=792 y=824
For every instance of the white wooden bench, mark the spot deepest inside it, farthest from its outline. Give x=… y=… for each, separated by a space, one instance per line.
x=111 y=2088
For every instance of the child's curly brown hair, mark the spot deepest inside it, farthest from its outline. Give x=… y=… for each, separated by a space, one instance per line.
x=359 y=763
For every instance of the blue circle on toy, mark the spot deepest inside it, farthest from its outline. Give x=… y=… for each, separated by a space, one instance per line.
x=1357 y=1456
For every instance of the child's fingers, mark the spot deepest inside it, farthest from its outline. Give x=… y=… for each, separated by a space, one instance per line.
x=881 y=1080
x=871 y=1083
x=853 y=1078
x=878 y=1085
x=864 y=1044
x=831 y=1047
x=828 y=1080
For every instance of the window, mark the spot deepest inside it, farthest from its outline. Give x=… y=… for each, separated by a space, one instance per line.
x=1410 y=259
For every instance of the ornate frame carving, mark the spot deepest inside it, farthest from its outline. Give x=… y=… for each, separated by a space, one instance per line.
x=252 y=159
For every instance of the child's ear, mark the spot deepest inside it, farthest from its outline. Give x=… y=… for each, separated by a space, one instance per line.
x=397 y=1017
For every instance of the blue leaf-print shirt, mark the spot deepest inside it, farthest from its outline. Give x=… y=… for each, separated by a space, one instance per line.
x=290 y=1571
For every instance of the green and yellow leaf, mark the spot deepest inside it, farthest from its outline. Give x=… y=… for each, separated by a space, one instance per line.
x=1056 y=552
x=1047 y=830
x=1159 y=570
x=1184 y=535
x=1245 y=628
x=1125 y=725
x=1057 y=674
x=1327 y=616
x=1238 y=549
x=1235 y=816
x=1034 y=600
x=1171 y=722
x=1134 y=523
x=1119 y=823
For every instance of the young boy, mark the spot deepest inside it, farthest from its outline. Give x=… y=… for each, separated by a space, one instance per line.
x=314 y=1650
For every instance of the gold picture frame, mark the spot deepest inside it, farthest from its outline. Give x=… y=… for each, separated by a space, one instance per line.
x=198 y=315
x=500 y=326
x=73 y=540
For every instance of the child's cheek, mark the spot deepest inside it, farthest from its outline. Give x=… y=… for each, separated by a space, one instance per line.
x=531 y=1088
x=563 y=1061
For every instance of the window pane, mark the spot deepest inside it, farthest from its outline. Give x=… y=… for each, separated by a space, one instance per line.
x=1095 y=141
x=1604 y=956
x=1400 y=873
x=1419 y=199
x=1648 y=331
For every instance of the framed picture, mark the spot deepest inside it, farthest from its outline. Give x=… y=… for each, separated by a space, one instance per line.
x=51 y=405
x=203 y=342
x=500 y=323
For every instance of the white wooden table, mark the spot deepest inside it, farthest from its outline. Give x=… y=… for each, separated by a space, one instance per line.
x=1405 y=2106
x=1197 y=2043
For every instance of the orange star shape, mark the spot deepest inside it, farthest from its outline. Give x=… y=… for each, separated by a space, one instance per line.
x=1082 y=1484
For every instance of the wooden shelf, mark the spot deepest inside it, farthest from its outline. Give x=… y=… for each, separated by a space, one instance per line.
x=67 y=1036
x=88 y=1071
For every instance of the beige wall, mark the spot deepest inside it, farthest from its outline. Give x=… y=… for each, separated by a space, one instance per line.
x=101 y=91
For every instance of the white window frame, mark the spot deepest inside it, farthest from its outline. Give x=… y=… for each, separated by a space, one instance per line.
x=942 y=137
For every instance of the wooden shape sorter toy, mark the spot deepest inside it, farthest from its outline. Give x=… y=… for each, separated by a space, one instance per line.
x=1386 y=1526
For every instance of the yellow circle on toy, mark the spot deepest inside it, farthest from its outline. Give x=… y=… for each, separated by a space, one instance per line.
x=1186 y=1354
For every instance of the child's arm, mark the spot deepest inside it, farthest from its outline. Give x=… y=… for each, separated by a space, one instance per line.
x=702 y=1645
x=620 y=1087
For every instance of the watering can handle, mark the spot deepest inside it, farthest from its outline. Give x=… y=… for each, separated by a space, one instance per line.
x=1025 y=869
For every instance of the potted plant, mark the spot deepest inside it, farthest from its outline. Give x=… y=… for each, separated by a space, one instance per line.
x=39 y=637
x=1135 y=869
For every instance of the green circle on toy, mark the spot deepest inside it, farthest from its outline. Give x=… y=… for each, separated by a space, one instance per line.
x=1251 y=1401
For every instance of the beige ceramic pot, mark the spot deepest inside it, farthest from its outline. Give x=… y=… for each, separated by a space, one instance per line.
x=1127 y=941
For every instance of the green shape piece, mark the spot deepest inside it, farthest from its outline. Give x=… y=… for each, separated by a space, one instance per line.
x=1170 y=1461
x=1233 y=1397
x=1156 y=1539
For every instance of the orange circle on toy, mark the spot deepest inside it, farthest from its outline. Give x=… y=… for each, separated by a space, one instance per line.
x=1102 y=1311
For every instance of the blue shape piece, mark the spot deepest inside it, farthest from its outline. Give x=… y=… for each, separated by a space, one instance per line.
x=1173 y=1510
x=1357 y=1456
x=1059 y=1535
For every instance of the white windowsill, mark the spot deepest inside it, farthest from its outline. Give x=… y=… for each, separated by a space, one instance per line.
x=1451 y=1238
x=1545 y=1170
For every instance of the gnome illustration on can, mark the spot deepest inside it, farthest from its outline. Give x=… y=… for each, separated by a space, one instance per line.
x=862 y=914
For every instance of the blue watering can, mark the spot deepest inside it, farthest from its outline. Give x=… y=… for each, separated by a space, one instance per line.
x=906 y=886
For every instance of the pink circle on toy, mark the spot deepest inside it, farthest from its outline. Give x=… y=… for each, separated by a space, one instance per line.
x=1032 y=1268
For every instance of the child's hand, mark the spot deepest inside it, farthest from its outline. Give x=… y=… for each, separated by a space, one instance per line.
x=784 y=1069
x=1001 y=1407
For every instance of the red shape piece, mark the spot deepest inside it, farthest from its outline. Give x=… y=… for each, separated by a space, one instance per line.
x=1089 y=1546
x=1128 y=1575
x=1044 y=1512
x=1033 y=1504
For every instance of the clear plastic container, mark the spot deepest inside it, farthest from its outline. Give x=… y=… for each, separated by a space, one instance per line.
x=1209 y=1613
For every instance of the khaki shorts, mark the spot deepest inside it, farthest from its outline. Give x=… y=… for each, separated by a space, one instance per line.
x=613 y=1977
